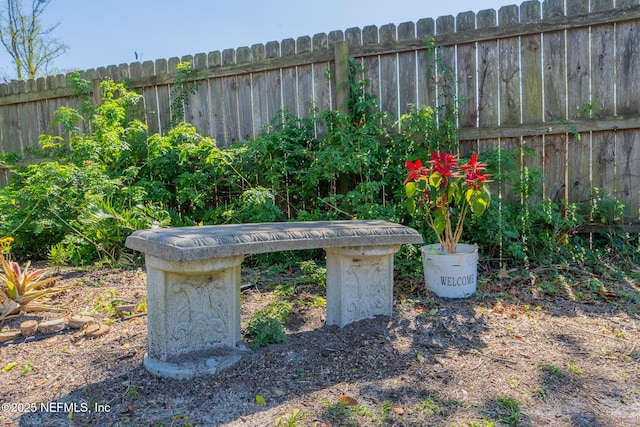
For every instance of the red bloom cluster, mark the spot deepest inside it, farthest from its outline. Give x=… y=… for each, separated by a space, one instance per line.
x=446 y=165
x=474 y=176
x=416 y=170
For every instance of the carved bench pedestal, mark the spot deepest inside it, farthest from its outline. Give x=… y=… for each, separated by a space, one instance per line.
x=193 y=311
x=359 y=283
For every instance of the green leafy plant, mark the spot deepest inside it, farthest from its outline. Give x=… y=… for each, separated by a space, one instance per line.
x=341 y=413
x=428 y=407
x=184 y=83
x=315 y=272
x=542 y=392
x=512 y=408
x=106 y=226
x=574 y=368
x=554 y=370
x=444 y=191
x=257 y=205
x=26 y=369
x=60 y=254
x=266 y=327
x=131 y=392
x=100 y=159
x=265 y=330
x=294 y=419
x=22 y=288
x=424 y=131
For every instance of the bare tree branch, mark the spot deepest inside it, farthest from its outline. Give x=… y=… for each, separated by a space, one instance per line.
x=31 y=47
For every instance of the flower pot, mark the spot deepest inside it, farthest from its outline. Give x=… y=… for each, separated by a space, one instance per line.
x=451 y=275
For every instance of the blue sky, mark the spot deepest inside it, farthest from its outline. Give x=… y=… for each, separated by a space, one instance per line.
x=111 y=32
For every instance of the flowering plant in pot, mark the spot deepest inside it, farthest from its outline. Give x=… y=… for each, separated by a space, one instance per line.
x=444 y=190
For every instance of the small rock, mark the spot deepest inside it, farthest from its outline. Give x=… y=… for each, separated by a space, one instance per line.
x=95 y=330
x=9 y=335
x=79 y=321
x=52 y=326
x=29 y=327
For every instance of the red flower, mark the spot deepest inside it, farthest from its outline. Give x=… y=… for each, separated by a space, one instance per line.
x=444 y=164
x=474 y=175
x=416 y=170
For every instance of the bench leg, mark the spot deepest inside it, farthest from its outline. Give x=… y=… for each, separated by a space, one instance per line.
x=359 y=283
x=192 y=308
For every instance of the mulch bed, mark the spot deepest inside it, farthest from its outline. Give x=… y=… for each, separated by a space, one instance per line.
x=435 y=362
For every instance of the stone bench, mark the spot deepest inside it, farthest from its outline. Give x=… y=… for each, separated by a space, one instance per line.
x=193 y=282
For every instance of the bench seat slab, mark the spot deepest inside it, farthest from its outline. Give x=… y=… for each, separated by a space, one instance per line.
x=217 y=241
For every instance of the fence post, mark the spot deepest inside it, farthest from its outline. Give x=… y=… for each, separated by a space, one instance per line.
x=341 y=55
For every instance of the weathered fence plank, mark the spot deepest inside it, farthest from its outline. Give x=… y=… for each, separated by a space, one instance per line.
x=578 y=101
x=531 y=53
x=425 y=30
x=603 y=151
x=322 y=84
x=627 y=141
x=216 y=99
x=531 y=72
x=245 y=109
x=163 y=94
x=289 y=78
x=274 y=82
x=445 y=63
x=628 y=174
x=627 y=67
x=487 y=72
x=305 y=79
x=150 y=98
x=509 y=70
x=407 y=69
x=389 y=73
x=604 y=161
x=488 y=84
x=555 y=95
x=371 y=64
x=510 y=109
x=466 y=73
x=259 y=107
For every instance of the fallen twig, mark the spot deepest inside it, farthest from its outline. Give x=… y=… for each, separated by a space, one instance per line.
x=595 y=333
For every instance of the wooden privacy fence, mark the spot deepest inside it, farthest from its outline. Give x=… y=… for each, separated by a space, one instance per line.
x=533 y=76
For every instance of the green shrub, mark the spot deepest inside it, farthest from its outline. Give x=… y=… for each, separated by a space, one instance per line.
x=109 y=176
x=266 y=326
x=44 y=203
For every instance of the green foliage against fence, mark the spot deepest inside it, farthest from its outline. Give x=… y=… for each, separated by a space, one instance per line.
x=538 y=77
x=101 y=184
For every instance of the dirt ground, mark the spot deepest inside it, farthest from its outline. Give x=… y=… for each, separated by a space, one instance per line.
x=511 y=355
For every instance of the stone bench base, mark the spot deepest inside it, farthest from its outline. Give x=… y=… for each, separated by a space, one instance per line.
x=193 y=305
